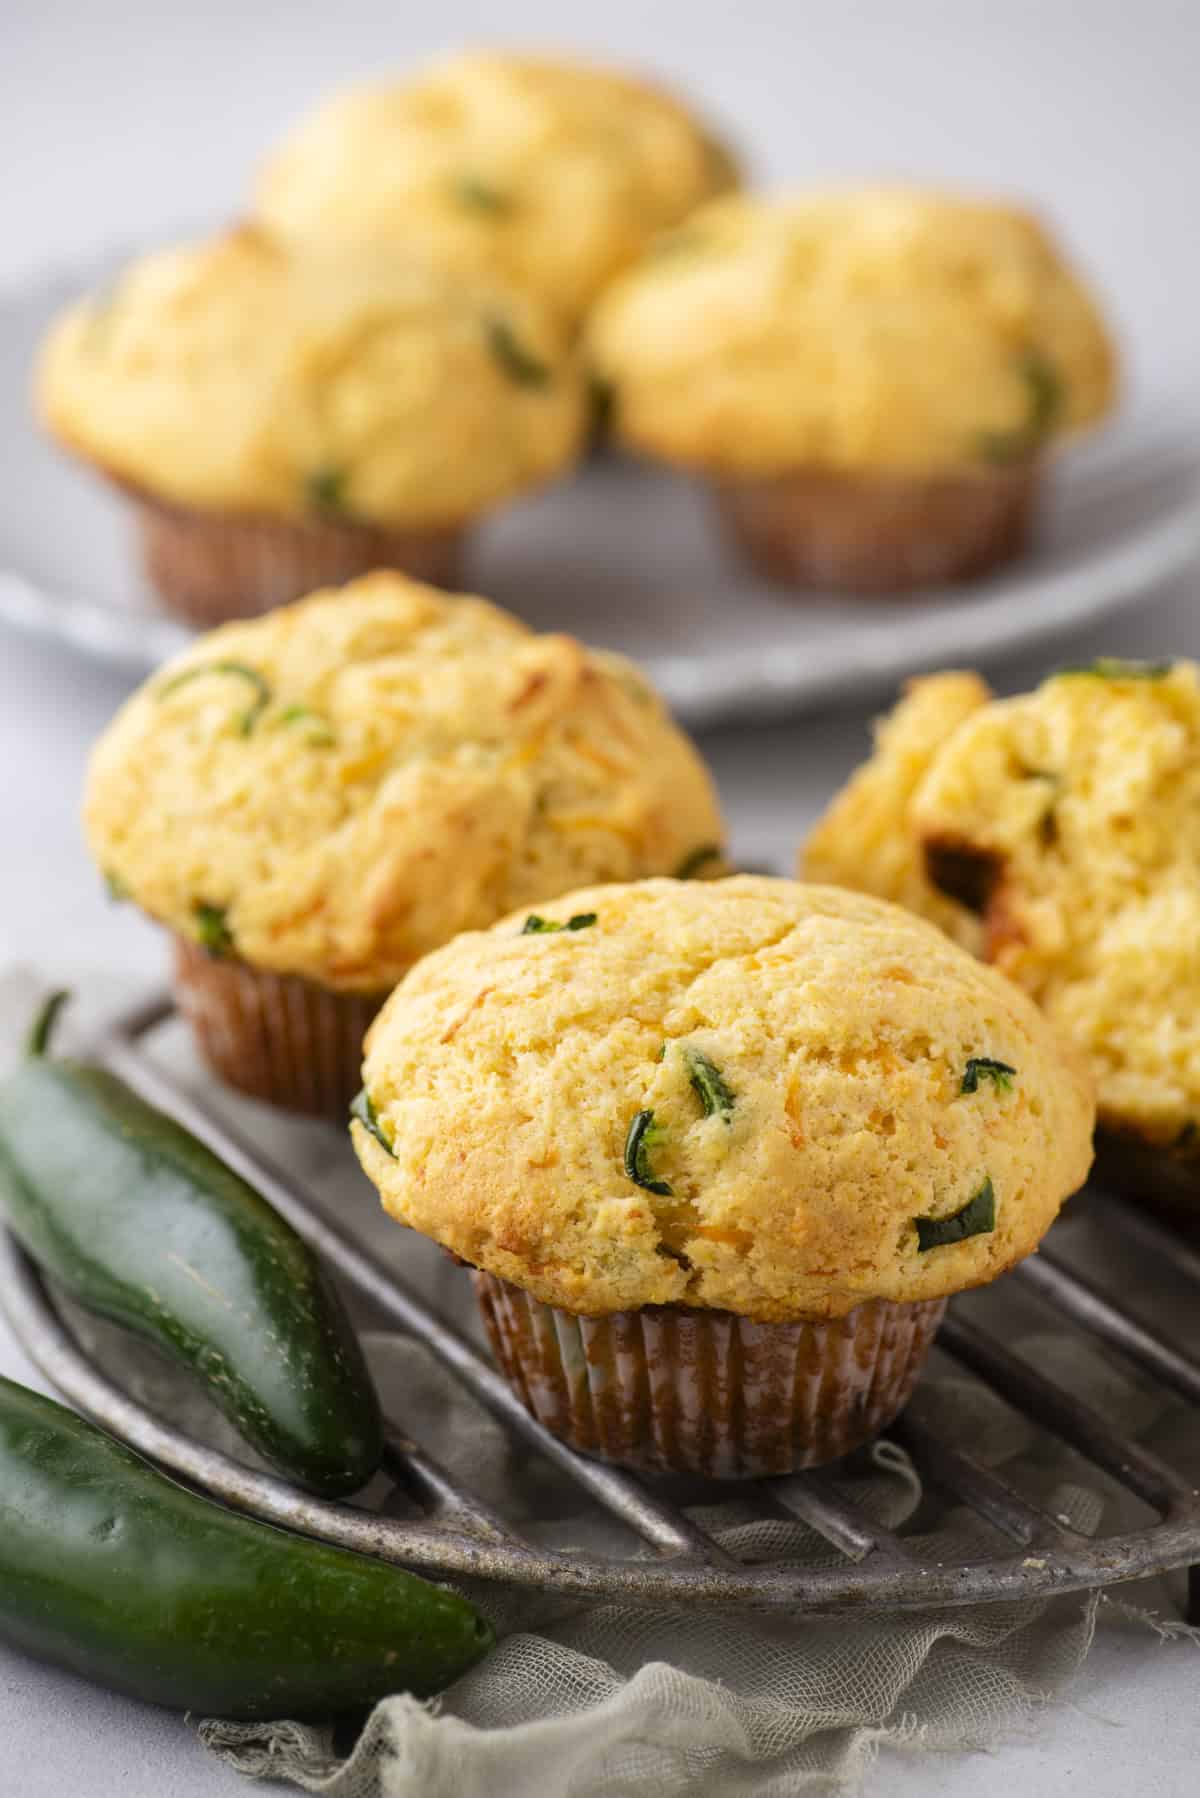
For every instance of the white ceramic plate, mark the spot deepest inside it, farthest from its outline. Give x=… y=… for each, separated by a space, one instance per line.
x=630 y=558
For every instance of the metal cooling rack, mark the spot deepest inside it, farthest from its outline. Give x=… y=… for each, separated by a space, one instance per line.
x=1038 y=1555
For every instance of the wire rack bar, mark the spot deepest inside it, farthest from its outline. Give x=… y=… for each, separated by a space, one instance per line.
x=1130 y=1464
x=965 y=1478
x=811 y=1497
x=1073 y=1296
x=428 y=1483
x=1166 y=1246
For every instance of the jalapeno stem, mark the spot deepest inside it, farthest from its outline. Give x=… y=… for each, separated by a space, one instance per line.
x=42 y=1028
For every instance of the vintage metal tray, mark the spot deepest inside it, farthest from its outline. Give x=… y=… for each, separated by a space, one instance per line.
x=1035 y=1554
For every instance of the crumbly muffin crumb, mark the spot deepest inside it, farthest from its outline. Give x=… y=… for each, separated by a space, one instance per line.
x=1071 y=816
x=865 y=838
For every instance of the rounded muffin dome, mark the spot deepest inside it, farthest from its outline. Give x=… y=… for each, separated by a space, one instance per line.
x=552 y=174
x=239 y=376
x=748 y=1094
x=338 y=787
x=883 y=331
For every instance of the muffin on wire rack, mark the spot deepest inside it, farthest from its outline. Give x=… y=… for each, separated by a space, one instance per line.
x=311 y=801
x=870 y=383
x=718 y=1153
x=281 y=421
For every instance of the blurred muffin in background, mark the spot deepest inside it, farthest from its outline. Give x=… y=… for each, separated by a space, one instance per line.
x=551 y=174
x=1059 y=834
x=282 y=420
x=871 y=381
x=311 y=801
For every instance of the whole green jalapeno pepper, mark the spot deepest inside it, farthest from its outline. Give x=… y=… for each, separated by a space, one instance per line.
x=113 y=1570
x=142 y=1223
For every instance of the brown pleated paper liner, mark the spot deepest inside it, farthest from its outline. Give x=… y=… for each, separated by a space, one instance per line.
x=669 y=1389
x=275 y=1036
x=879 y=534
x=209 y=567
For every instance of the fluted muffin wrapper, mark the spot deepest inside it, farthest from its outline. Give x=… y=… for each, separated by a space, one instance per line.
x=879 y=534
x=278 y=1037
x=209 y=567
x=669 y=1389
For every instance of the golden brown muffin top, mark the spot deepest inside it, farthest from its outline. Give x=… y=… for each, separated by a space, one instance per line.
x=748 y=1094
x=547 y=173
x=236 y=376
x=335 y=788
x=882 y=331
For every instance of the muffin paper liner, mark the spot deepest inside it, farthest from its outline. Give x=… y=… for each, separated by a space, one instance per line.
x=667 y=1389
x=208 y=567
x=275 y=1036
x=874 y=534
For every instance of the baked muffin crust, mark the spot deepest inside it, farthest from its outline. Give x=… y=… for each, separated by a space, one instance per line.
x=236 y=376
x=335 y=788
x=803 y=1055
x=881 y=331
x=547 y=173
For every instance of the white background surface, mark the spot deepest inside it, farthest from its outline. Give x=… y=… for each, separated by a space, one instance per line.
x=119 y=121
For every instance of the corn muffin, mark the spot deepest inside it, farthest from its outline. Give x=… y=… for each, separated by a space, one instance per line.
x=865 y=838
x=311 y=801
x=285 y=420
x=550 y=174
x=870 y=381
x=718 y=1153
x=1070 y=819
